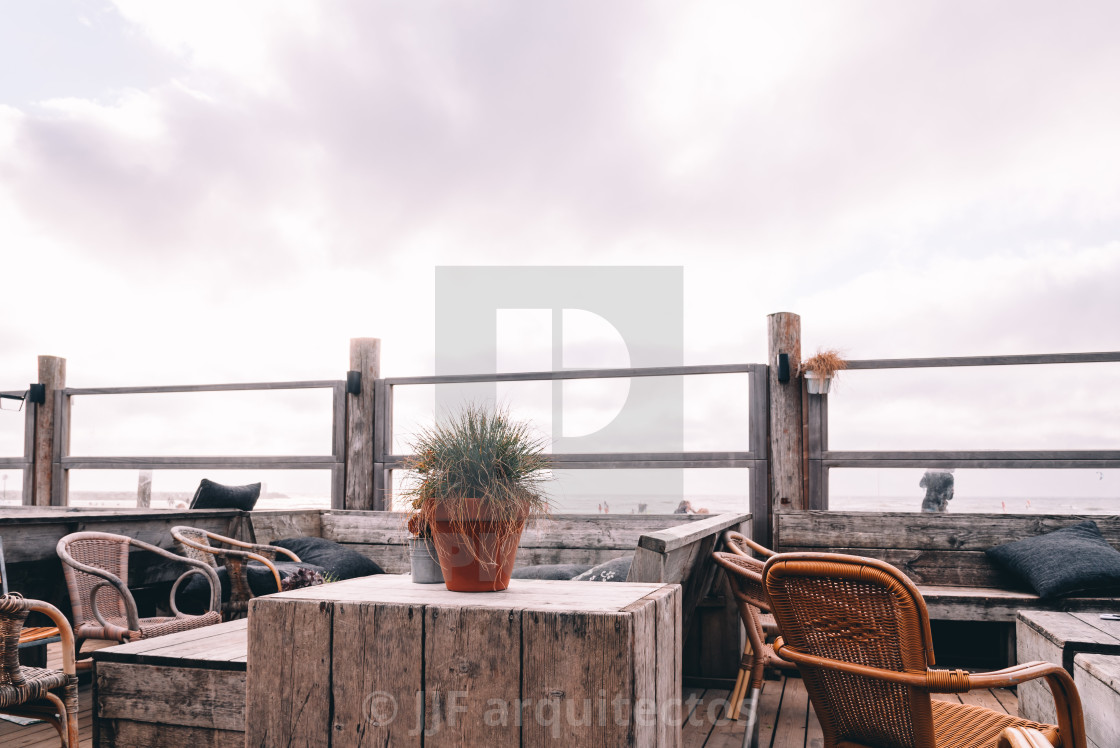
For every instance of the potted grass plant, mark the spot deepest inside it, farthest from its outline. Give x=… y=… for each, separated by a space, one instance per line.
x=820 y=369
x=476 y=478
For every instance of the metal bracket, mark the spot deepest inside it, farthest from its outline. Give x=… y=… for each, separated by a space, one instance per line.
x=37 y=394
x=783 y=367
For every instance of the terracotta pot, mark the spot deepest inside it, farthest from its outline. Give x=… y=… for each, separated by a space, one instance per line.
x=472 y=552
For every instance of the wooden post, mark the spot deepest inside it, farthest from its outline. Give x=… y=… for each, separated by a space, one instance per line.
x=365 y=357
x=144 y=490
x=52 y=373
x=786 y=466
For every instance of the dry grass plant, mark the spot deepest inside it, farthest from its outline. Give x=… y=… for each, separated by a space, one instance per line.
x=478 y=453
x=825 y=363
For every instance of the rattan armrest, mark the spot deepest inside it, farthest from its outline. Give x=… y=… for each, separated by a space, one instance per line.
x=735 y=540
x=1022 y=737
x=64 y=631
x=1067 y=702
x=215 y=586
x=131 y=614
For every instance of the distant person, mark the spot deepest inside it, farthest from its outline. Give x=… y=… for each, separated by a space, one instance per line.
x=939 y=490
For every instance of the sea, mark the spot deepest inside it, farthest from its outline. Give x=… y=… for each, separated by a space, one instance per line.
x=664 y=504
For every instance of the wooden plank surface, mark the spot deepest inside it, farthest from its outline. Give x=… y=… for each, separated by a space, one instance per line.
x=672 y=538
x=926 y=531
x=216 y=647
x=376 y=674
x=472 y=666
x=187 y=697
x=288 y=699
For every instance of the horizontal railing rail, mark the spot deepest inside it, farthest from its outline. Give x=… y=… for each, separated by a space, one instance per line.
x=26 y=462
x=821 y=458
x=753 y=459
x=335 y=461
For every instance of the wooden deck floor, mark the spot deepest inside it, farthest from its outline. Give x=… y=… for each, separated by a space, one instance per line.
x=785 y=718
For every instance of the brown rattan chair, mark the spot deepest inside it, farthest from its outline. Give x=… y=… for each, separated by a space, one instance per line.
x=96 y=568
x=745 y=576
x=51 y=695
x=200 y=545
x=859 y=632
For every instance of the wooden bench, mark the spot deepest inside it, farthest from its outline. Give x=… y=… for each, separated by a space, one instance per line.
x=944 y=555
x=175 y=690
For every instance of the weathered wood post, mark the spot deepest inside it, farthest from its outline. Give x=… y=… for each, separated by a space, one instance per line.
x=787 y=476
x=365 y=358
x=52 y=373
x=144 y=490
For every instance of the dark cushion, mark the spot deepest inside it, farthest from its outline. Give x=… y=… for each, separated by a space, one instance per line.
x=193 y=595
x=339 y=561
x=550 y=571
x=1071 y=561
x=211 y=495
x=614 y=570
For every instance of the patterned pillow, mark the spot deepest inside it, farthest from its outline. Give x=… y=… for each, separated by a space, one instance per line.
x=1071 y=561
x=614 y=570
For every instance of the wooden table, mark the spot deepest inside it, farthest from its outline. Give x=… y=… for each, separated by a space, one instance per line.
x=181 y=689
x=1058 y=637
x=382 y=661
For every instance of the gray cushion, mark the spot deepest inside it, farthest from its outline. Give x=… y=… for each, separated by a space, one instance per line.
x=1071 y=561
x=339 y=561
x=550 y=571
x=211 y=495
x=614 y=570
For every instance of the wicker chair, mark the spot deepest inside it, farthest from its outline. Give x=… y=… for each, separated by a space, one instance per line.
x=96 y=568
x=51 y=695
x=859 y=632
x=198 y=544
x=745 y=575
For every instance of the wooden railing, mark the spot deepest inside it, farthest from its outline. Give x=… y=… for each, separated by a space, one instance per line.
x=25 y=464
x=821 y=458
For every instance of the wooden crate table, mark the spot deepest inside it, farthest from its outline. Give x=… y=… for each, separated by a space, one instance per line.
x=1098 y=681
x=181 y=689
x=1058 y=637
x=382 y=661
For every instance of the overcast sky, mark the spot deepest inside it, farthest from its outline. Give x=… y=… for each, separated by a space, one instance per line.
x=215 y=191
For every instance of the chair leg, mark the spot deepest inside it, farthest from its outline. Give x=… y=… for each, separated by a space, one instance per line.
x=750 y=736
x=735 y=702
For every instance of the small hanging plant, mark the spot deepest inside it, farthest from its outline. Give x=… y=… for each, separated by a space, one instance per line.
x=820 y=369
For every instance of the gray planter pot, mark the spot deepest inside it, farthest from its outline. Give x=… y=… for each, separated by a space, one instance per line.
x=425 y=563
x=816 y=384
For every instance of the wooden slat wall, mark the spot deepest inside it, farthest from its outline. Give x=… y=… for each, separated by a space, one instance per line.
x=933 y=549
x=568 y=538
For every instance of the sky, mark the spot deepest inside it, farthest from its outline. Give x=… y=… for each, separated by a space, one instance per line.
x=216 y=192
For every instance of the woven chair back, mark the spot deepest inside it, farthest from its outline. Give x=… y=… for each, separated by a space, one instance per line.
x=197 y=536
x=862 y=611
x=745 y=575
x=106 y=552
